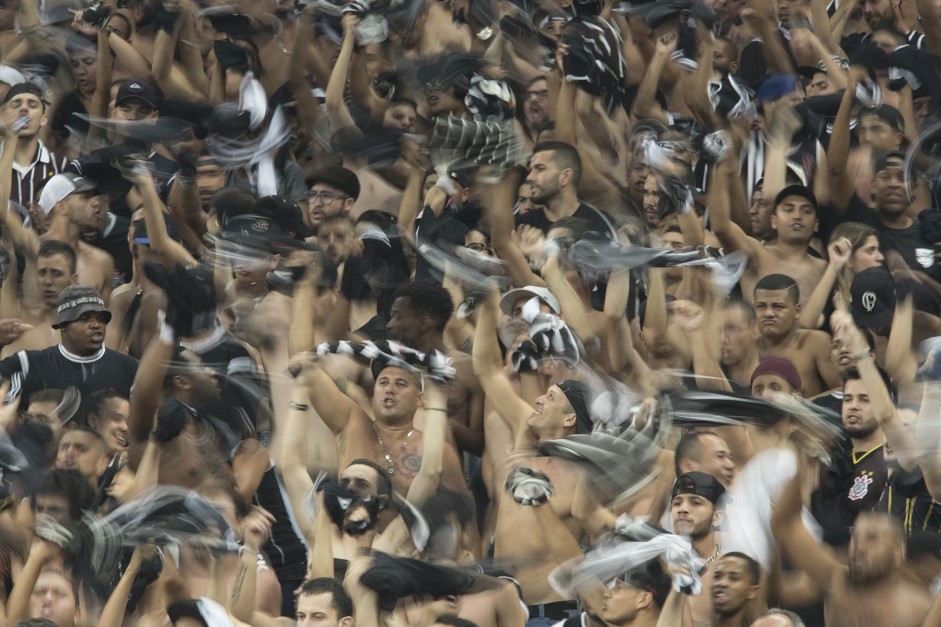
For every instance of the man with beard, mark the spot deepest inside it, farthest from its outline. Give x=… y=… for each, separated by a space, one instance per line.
x=555 y=170
x=696 y=513
x=536 y=109
x=869 y=589
x=884 y=14
x=420 y=312
x=911 y=482
x=80 y=359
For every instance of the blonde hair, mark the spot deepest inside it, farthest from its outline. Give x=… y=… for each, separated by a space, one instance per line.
x=857 y=233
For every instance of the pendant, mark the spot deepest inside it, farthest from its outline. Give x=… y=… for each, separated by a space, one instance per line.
x=411 y=462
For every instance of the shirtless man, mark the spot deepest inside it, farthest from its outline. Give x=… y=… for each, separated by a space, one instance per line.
x=390 y=437
x=776 y=305
x=870 y=589
x=558 y=413
x=735 y=579
x=794 y=220
x=419 y=314
x=695 y=513
x=55 y=270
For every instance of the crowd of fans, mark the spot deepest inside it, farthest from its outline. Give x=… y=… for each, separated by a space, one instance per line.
x=473 y=313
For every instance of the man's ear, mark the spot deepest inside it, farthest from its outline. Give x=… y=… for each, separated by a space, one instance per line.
x=733 y=67
x=570 y=420
x=644 y=600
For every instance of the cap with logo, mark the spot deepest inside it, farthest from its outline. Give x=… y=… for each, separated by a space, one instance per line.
x=257 y=233
x=136 y=89
x=872 y=296
x=77 y=300
x=60 y=186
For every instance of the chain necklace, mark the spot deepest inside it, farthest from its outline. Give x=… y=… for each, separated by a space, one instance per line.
x=714 y=555
x=385 y=451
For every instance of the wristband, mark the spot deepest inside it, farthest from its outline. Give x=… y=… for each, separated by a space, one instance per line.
x=167 y=335
x=863 y=354
x=299 y=406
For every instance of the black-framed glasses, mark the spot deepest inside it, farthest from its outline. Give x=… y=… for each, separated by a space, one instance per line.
x=326 y=197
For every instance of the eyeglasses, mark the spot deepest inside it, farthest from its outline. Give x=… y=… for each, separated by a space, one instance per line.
x=325 y=197
x=478 y=247
x=542 y=94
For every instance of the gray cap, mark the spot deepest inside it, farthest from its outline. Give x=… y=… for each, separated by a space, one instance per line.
x=76 y=300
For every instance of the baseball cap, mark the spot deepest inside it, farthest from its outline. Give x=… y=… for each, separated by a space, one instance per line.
x=76 y=300
x=796 y=190
x=530 y=291
x=60 y=186
x=339 y=177
x=286 y=214
x=872 y=296
x=136 y=89
x=808 y=71
x=24 y=88
x=577 y=394
x=700 y=484
x=781 y=367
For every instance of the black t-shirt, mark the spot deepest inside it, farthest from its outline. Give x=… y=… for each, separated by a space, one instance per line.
x=54 y=367
x=907 y=498
x=597 y=220
x=910 y=243
x=853 y=483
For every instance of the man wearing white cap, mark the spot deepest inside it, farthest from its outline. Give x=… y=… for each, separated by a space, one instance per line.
x=70 y=205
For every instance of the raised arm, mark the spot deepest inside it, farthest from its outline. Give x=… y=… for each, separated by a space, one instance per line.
x=804 y=552
x=645 y=105
x=333 y=406
x=161 y=243
x=338 y=112
x=146 y=395
x=498 y=202
x=841 y=184
x=900 y=361
x=883 y=409
x=812 y=313
x=622 y=356
x=489 y=368
x=730 y=235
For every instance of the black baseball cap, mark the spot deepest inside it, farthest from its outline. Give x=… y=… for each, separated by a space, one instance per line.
x=138 y=89
x=286 y=214
x=700 y=484
x=872 y=297
x=649 y=577
x=888 y=160
x=339 y=177
x=796 y=190
x=887 y=113
x=25 y=88
x=578 y=396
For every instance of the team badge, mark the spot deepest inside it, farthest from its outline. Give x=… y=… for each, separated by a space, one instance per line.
x=860 y=487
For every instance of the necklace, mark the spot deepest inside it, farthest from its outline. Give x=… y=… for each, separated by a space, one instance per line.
x=407 y=461
x=714 y=555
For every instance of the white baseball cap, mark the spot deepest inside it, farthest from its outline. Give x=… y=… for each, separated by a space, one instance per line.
x=530 y=291
x=60 y=186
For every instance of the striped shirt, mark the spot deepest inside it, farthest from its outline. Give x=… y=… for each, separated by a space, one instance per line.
x=28 y=180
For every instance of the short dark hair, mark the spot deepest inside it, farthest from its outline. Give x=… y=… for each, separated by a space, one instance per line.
x=49 y=395
x=399 y=101
x=52 y=247
x=754 y=570
x=564 y=156
x=428 y=298
x=36 y=622
x=852 y=374
x=689 y=447
x=451 y=619
x=385 y=479
x=778 y=282
x=340 y=601
x=71 y=485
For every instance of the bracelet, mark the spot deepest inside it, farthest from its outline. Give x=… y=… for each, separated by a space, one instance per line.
x=864 y=354
x=243 y=549
x=299 y=406
x=436 y=409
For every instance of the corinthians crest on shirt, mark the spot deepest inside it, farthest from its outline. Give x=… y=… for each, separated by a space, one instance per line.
x=925 y=257
x=860 y=487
